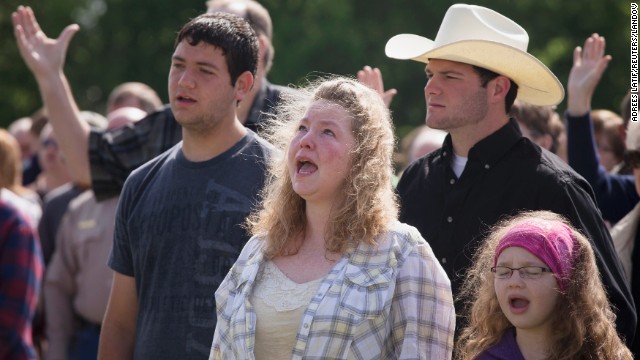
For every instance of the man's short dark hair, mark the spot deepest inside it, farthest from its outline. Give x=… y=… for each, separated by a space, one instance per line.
x=229 y=33
x=488 y=75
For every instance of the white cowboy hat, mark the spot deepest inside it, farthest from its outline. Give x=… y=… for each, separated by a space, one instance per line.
x=482 y=37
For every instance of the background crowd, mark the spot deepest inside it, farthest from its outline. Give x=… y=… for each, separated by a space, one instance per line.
x=66 y=184
x=326 y=36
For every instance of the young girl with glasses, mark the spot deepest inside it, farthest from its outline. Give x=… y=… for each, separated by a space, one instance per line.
x=534 y=292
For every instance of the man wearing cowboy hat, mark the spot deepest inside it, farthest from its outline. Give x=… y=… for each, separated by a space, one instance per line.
x=476 y=67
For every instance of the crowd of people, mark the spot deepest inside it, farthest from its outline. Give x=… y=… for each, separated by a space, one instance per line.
x=250 y=220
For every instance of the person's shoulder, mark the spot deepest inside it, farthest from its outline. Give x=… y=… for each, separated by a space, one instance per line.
x=8 y=210
x=152 y=166
x=423 y=164
x=405 y=233
x=252 y=248
x=556 y=169
x=543 y=165
x=80 y=200
x=505 y=349
x=415 y=175
x=11 y=217
x=251 y=255
x=401 y=239
x=255 y=145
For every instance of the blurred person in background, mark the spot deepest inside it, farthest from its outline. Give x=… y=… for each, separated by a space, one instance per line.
x=54 y=172
x=27 y=131
x=615 y=193
x=625 y=233
x=134 y=94
x=21 y=271
x=542 y=125
x=28 y=141
x=11 y=189
x=78 y=279
x=609 y=130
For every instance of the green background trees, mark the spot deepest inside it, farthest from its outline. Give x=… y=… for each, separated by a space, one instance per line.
x=131 y=40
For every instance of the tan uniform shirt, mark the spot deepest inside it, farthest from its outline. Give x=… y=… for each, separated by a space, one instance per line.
x=78 y=280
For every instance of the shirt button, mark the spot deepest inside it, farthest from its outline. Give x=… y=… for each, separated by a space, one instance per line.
x=306 y=325
x=449 y=219
x=486 y=166
x=444 y=153
x=452 y=181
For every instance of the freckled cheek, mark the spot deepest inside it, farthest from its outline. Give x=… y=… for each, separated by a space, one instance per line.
x=342 y=157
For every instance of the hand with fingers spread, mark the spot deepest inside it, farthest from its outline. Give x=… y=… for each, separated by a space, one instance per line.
x=43 y=55
x=45 y=58
x=372 y=77
x=588 y=65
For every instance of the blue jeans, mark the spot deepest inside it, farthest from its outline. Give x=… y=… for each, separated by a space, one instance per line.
x=85 y=344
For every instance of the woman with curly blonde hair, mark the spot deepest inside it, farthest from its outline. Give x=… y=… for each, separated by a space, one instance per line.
x=534 y=292
x=329 y=271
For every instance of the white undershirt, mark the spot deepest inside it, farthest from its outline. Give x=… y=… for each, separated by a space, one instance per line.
x=458 y=164
x=279 y=304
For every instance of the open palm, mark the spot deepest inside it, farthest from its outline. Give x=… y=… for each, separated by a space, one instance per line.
x=43 y=55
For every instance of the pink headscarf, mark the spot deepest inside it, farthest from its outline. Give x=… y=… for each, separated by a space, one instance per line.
x=551 y=241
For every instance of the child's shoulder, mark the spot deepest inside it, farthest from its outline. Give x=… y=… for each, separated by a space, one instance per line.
x=505 y=349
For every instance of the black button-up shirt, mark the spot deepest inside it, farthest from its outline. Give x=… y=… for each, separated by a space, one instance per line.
x=505 y=174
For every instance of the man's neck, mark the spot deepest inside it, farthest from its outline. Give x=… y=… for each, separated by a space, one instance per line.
x=202 y=146
x=463 y=139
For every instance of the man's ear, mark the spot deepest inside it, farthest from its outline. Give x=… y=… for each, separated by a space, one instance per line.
x=243 y=85
x=499 y=87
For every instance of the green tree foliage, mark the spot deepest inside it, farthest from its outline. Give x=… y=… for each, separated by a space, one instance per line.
x=126 y=40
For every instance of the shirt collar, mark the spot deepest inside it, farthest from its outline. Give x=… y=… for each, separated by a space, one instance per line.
x=490 y=149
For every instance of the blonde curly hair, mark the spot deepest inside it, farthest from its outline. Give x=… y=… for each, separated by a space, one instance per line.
x=586 y=330
x=369 y=202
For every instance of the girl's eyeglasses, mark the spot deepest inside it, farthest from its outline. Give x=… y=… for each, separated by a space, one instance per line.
x=525 y=272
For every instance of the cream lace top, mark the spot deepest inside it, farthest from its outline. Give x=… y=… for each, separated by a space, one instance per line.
x=279 y=304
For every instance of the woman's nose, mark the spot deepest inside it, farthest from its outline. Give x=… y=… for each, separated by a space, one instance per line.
x=307 y=140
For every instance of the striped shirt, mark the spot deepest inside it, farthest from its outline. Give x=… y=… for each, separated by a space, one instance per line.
x=389 y=301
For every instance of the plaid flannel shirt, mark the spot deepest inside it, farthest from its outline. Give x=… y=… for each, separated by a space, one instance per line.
x=21 y=269
x=390 y=301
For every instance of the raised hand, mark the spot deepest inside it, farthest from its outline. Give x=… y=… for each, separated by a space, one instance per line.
x=45 y=58
x=373 y=79
x=588 y=65
x=43 y=55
